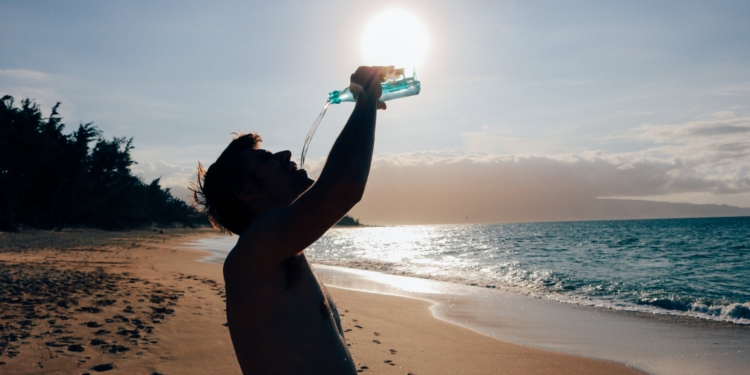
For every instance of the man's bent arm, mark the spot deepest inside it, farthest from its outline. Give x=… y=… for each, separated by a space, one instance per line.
x=284 y=232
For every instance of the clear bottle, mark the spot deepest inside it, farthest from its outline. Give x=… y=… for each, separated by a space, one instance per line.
x=397 y=86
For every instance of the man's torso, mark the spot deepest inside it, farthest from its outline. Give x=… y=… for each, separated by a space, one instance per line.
x=284 y=321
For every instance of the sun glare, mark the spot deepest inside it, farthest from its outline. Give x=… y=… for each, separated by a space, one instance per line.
x=394 y=37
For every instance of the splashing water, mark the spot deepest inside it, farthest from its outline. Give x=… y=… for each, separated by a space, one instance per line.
x=311 y=133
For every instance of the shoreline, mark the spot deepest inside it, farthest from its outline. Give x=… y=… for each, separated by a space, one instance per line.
x=643 y=311
x=414 y=340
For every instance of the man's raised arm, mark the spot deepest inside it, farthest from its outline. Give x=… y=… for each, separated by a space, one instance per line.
x=284 y=232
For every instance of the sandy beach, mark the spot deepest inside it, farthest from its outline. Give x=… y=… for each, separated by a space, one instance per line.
x=139 y=302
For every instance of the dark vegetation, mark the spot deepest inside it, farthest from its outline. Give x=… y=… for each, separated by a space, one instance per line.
x=49 y=179
x=348 y=221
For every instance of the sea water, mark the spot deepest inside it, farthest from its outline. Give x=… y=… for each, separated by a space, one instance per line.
x=693 y=267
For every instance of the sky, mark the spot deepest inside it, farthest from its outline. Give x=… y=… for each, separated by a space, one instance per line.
x=529 y=110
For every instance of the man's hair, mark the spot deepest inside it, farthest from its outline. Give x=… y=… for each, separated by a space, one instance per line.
x=217 y=188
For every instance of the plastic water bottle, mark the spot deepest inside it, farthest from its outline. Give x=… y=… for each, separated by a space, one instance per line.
x=397 y=86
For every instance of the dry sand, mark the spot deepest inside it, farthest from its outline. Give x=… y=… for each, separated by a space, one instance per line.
x=138 y=303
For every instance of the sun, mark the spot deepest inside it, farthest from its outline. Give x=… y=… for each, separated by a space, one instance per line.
x=394 y=37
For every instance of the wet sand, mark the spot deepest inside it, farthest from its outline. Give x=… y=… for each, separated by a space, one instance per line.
x=138 y=302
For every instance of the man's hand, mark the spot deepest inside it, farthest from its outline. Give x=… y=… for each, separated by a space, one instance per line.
x=365 y=83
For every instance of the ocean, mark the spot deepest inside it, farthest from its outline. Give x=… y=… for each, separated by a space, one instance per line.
x=693 y=267
x=663 y=296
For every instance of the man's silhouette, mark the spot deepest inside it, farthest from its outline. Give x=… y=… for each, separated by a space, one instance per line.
x=281 y=318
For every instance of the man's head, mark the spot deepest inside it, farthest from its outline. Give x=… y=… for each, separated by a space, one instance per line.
x=246 y=182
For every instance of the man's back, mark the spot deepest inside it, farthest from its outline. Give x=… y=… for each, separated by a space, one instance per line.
x=284 y=321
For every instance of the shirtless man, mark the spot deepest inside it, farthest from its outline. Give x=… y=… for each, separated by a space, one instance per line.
x=281 y=318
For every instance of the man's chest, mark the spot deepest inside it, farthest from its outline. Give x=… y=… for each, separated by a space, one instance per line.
x=292 y=286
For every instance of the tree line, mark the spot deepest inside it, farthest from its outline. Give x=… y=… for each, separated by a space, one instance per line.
x=49 y=179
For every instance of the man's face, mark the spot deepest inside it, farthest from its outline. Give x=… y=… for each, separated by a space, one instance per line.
x=281 y=181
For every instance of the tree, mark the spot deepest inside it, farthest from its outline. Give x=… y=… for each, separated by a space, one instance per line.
x=348 y=221
x=49 y=179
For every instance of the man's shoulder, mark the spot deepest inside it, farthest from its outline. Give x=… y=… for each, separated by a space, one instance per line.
x=239 y=256
x=249 y=253
x=270 y=240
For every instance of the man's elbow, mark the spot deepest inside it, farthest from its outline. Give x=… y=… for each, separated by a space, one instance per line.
x=351 y=194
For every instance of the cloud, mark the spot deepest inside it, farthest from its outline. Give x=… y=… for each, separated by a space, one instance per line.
x=733 y=89
x=499 y=139
x=694 y=162
x=24 y=74
x=452 y=186
x=723 y=114
x=570 y=82
x=592 y=173
x=715 y=148
x=44 y=88
x=693 y=131
x=174 y=176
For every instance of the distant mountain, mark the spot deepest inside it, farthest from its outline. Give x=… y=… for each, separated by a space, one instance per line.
x=639 y=209
x=629 y=209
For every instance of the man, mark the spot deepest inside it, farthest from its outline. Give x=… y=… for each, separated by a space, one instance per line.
x=281 y=318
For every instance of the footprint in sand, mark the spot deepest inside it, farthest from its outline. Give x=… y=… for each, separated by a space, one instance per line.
x=103 y=367
x=75 y=348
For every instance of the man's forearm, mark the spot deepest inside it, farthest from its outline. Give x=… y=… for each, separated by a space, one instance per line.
x=349 y=161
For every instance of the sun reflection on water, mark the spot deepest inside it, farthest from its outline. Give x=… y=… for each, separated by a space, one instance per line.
x=388 y=244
